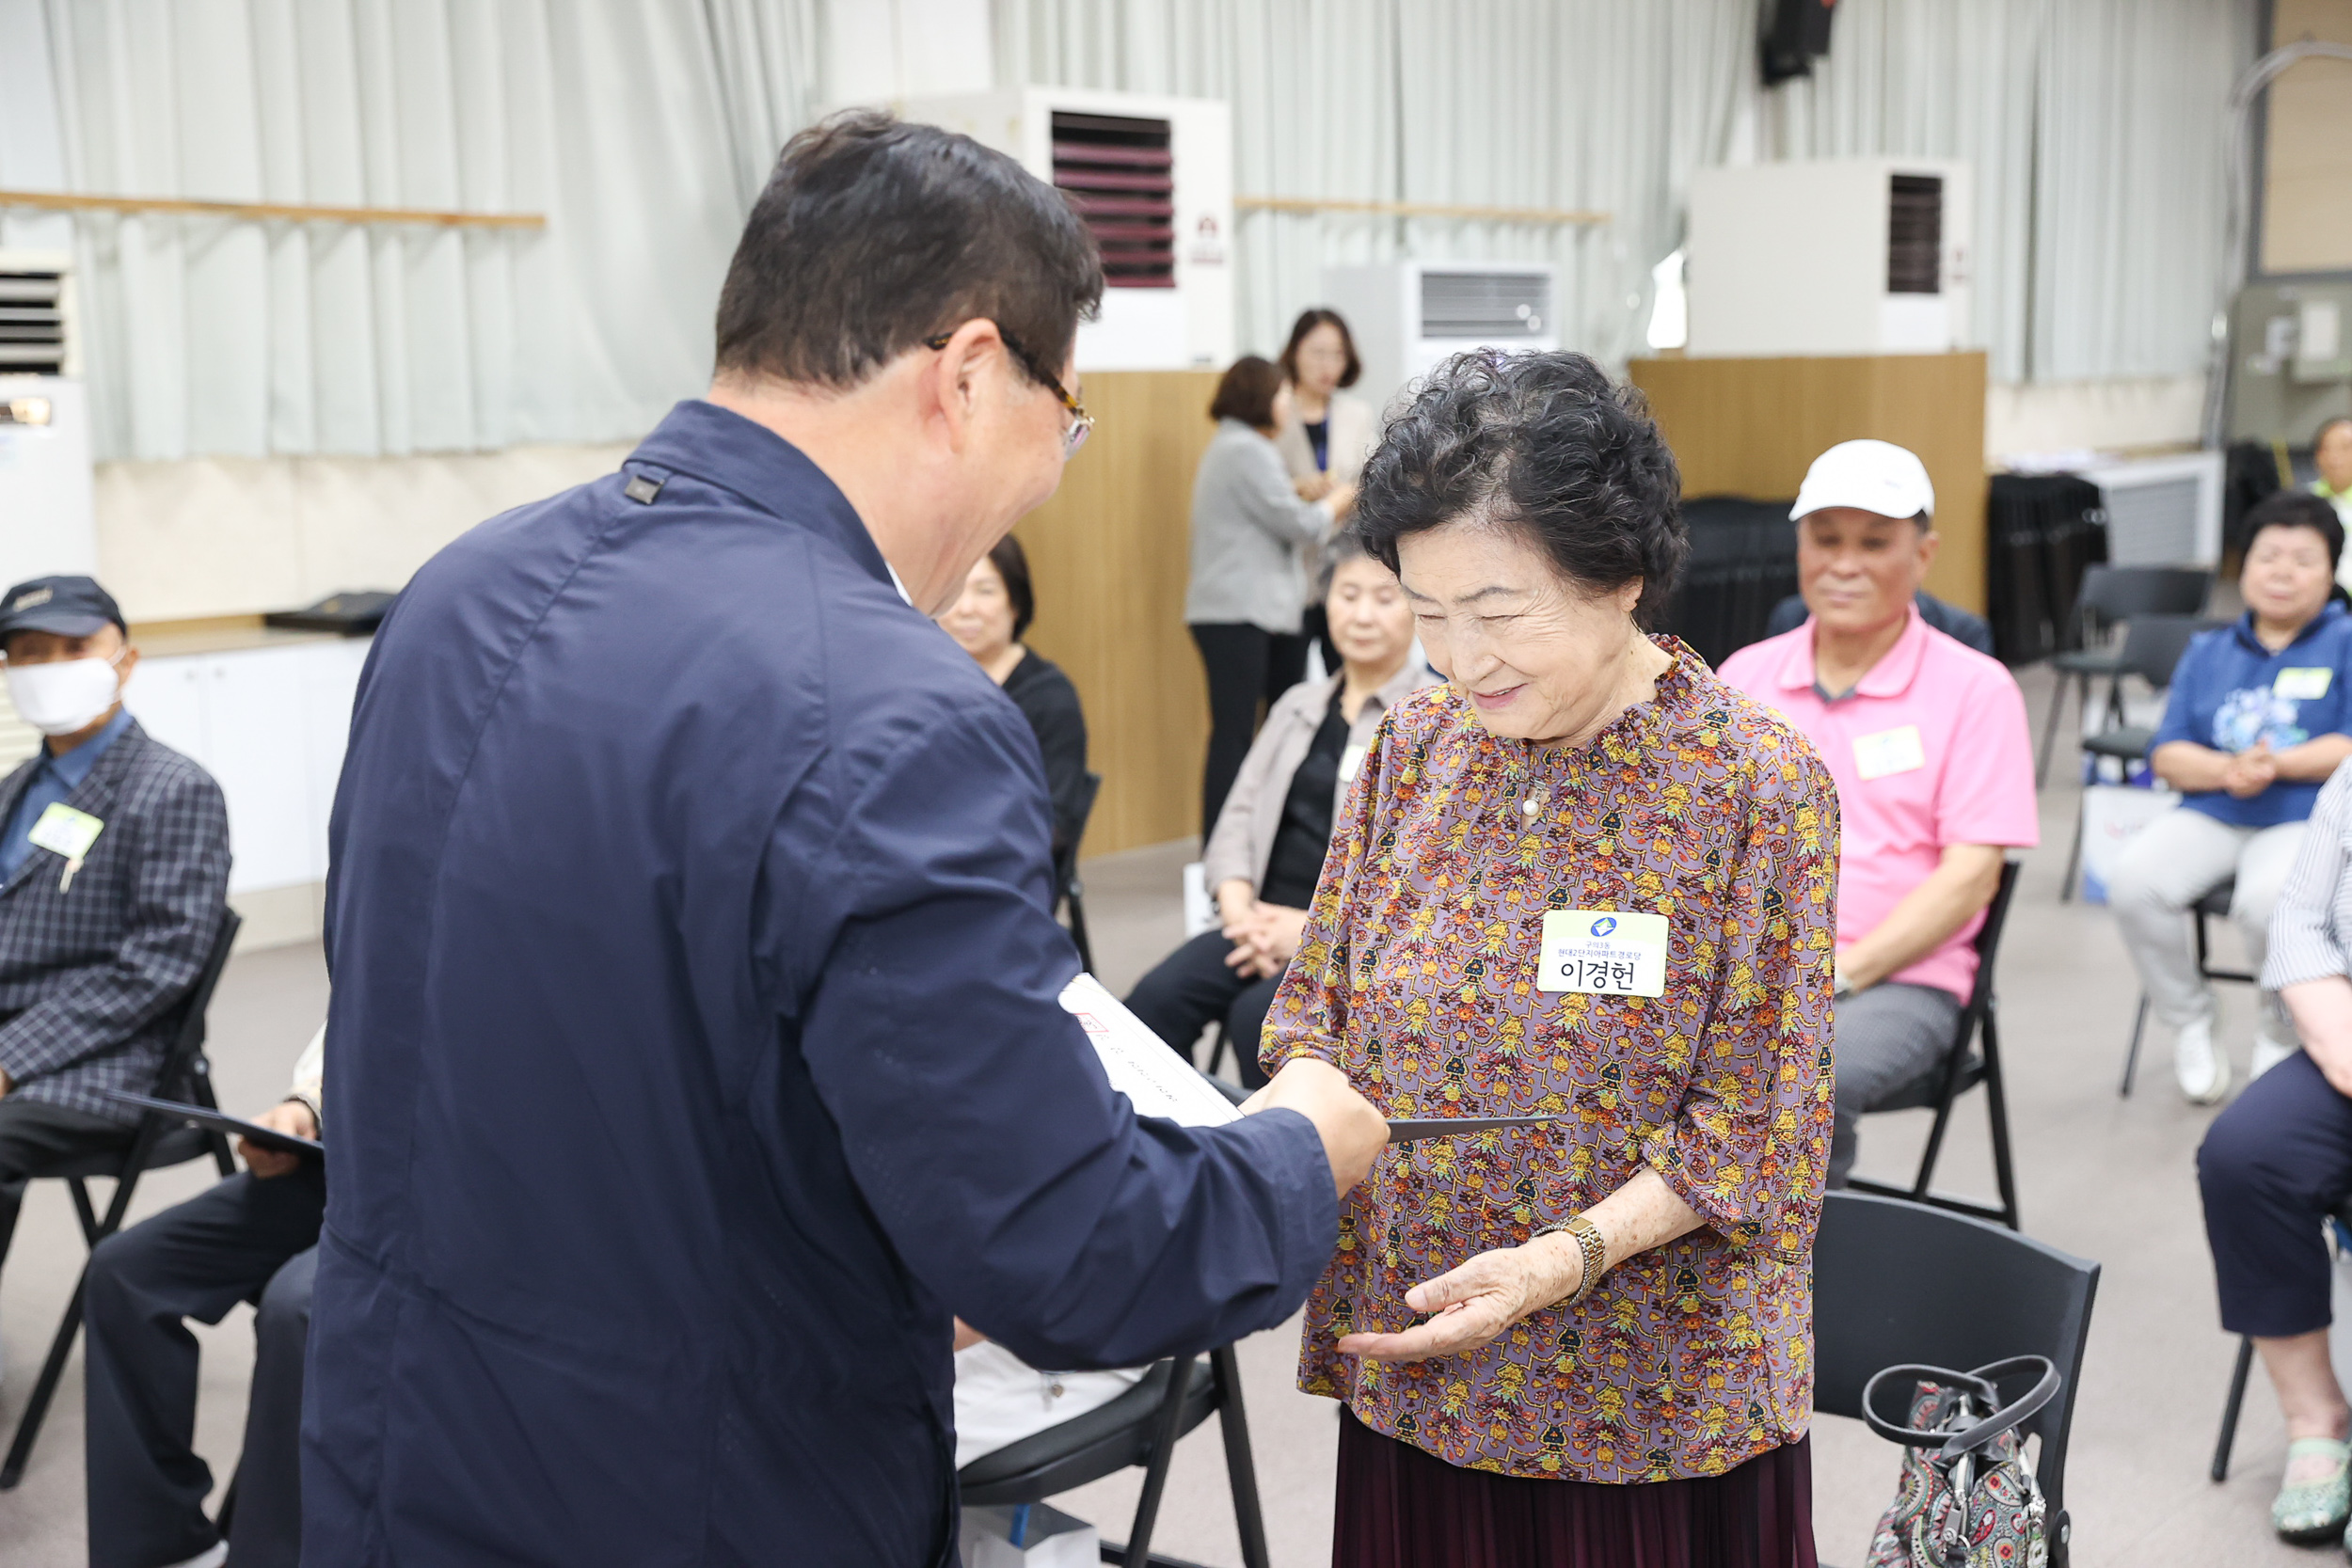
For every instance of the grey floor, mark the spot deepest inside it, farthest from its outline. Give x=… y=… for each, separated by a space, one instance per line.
x=2105 y=1178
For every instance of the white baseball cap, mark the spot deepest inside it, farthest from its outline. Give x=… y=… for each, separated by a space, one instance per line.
x=1870 y=476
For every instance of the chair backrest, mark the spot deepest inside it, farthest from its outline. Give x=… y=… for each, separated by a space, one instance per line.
x=1988 y=943
x=1896 y=1282
x=187 y=1041
x=2153 y=645
x=2112 y=593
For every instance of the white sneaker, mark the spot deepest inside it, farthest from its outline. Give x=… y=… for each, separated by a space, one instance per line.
x=2269 y=1052
x=2203 y=1073
x=213 y=1559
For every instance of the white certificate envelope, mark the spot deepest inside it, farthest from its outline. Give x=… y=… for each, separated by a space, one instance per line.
x=1139 y=1064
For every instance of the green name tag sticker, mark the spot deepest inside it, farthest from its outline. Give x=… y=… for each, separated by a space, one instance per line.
x=67 y=832
x=2302 y=684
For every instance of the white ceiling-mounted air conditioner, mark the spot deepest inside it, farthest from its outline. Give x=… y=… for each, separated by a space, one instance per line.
x=1154 y=179
x=2162 y=511
x=1408 y=316
x=39 y=334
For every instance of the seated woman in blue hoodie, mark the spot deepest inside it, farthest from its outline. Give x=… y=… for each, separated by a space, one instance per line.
x=2256 y=722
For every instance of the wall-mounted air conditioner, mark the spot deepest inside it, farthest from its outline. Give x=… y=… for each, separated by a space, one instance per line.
x=1406 y=316
x=1154 y=179
x=46 y=520
x=1838 y=256
x=2162 y=511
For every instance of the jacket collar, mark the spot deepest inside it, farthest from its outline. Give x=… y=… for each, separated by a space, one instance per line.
x=2244 y=630
x=1891 y=676
x=95 y=794
x=766 y=471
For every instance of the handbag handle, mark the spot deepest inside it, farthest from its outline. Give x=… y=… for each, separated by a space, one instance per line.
x=1982 y=1383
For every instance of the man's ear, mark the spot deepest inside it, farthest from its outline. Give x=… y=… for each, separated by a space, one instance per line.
x=1928 y=540
x=952 y=386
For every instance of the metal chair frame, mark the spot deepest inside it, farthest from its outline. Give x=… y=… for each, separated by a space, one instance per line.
x=1069 y=892
x=1979 y=1025
x=157 y=1144
x=2109 y=597
x=2214 y=905
x=2152 y=648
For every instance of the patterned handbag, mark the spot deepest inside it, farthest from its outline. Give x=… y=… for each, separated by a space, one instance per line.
x=1968 y=1499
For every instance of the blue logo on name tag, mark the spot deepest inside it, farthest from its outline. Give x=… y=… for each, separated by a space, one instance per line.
x=1605 y=925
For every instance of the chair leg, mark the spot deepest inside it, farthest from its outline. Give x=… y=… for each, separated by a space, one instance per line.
x=2073 y=859
x=1171 y=1426
x=1996 y=1107
x=1216 y=1052
x=45 y=1389
x=2229 y=1410
x=2131 y=1056
x=1079 y=926
x=91 y=1235
x=1241 y=1470
x=2049 y=730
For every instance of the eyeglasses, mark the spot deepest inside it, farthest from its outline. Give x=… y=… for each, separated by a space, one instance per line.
x=1081 y=422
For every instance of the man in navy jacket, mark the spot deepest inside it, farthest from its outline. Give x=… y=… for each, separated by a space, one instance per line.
x=696 y=1049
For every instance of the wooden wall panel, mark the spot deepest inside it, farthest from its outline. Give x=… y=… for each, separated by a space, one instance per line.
x=1110 y=556
x=2307 y=144
x=1750 y=427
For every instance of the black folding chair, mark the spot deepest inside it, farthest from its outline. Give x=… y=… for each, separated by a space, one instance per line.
x=2109 y=596
x=1067 y=890
x=2152 y=646
x=2213 y=906
x=1896 y=1282
x=2341 y=1221
x=159 y=1142
x=1963 y=1069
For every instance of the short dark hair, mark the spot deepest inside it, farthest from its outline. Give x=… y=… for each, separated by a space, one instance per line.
x=1547 y=443
x=874 y=234
x=2298 y=509
x=1246 y=392
x=1012 y=565
x=1308 y=320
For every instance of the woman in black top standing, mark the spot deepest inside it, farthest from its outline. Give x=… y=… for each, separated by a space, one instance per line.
x=996 y=607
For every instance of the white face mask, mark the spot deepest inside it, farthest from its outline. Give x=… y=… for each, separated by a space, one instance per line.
x=60 y=698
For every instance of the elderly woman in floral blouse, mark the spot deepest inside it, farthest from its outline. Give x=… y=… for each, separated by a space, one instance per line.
x=1583 y=878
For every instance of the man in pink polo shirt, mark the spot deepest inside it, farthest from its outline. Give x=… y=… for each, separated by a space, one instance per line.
x=1927 y=739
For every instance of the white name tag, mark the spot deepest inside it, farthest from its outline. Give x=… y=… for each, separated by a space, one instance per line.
x=2301 y=684
x=1603 y=953
x=1895 y=751
x=65 y=831
x=1351 y=760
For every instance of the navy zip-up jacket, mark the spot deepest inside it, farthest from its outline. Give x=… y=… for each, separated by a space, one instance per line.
x=696 y=1054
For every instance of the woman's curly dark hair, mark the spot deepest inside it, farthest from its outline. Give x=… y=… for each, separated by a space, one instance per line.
x=1544 y=442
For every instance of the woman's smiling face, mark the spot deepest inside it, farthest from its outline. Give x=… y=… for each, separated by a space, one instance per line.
x=1535 y=655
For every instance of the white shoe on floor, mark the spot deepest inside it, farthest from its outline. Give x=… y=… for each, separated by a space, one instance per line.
x=2270 y=1052
x=2203 y=1071
x=213 y=1559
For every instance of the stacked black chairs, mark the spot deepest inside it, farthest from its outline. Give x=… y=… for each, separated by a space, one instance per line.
x=2112 y=597
x=1963 y=1070
x=1742 y=561
x=2042 y=532
x=159 y=1142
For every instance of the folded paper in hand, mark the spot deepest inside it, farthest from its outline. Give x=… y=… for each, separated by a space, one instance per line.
x=1139 y=1064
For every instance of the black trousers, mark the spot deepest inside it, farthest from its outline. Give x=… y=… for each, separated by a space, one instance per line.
x=2271 y=1168
x=1245 y=665
x=1191 y=988
x=245 y=1238
x=34 y=1135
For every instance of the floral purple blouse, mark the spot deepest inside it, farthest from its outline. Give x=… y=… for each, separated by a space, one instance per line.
x=1417 y=977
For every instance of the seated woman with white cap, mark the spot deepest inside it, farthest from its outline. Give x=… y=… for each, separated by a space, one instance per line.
x=1927 y=741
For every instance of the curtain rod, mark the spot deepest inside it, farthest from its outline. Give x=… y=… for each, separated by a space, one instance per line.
x=1418 y=210
x=267 y=211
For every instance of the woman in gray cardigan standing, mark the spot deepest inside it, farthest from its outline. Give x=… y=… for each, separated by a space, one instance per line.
x=1251 y=534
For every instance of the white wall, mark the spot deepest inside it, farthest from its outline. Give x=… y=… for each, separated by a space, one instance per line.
x=234 y=535
x=2117 y=415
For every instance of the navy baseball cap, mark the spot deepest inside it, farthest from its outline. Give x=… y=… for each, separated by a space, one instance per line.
x=70 y=607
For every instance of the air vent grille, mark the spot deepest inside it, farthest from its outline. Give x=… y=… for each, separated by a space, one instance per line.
x=1914 y=234
x=1121 y=175
x=32 y=322
x=1489 y=306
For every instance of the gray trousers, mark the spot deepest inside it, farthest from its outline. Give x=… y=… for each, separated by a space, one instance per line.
x=1889 y=1043
x=2170 y=864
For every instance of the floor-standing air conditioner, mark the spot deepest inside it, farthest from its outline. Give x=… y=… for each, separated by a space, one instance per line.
x=1154 y=179
x=1832 y=256
x=46 y=523
x=1406 y=316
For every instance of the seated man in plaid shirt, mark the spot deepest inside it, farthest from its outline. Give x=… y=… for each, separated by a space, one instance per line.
x=113 y=874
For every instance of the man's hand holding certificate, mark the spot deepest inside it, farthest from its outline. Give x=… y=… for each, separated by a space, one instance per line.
x=1159 y=1082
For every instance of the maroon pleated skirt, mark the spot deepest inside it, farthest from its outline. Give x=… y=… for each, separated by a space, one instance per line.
x=1401 y=1508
